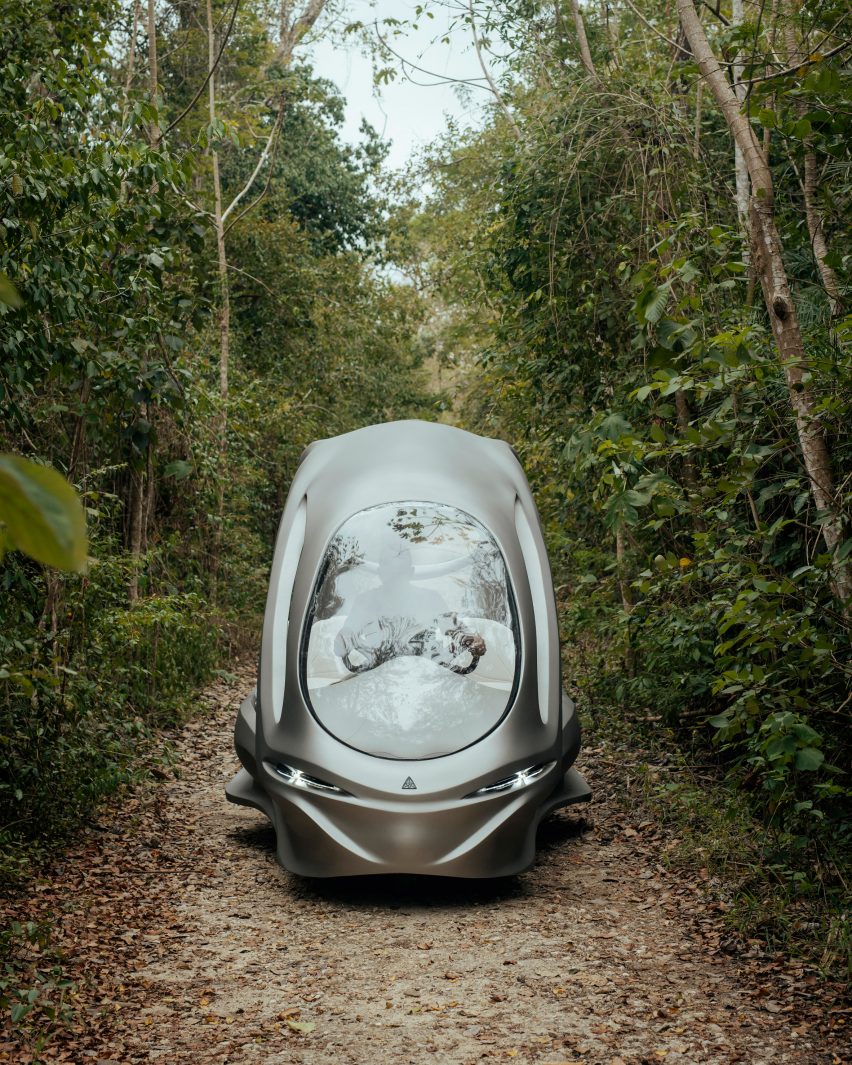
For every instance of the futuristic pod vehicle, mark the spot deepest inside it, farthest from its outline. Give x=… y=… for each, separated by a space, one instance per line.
x=409 y=715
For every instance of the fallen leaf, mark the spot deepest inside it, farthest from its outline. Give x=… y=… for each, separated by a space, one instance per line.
x=301 y=1026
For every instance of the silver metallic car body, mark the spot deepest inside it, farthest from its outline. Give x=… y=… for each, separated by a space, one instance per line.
x=346 y=812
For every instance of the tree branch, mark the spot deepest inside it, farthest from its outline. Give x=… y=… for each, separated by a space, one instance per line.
x=210 y=73
x=650 y=26
x=491 y=85
x=475 y=83
x=264 y=155
x=806 y=63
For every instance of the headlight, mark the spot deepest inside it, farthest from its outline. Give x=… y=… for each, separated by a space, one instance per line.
x=522 y=779
x=297 y=779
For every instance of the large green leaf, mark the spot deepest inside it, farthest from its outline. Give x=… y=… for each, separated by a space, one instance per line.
x=614 y=426
x=809 y=759
x=652 y=302
x=178 y=469
x=42 y=514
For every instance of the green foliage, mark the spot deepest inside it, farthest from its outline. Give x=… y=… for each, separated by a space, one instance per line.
x=74 y=727
x=93 y=233
x=91 y=222
x=762 y=887
x=34 y=987
x=626 y=357
x=331 y=349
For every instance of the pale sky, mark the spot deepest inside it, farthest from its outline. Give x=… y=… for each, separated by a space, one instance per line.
x=407 y=114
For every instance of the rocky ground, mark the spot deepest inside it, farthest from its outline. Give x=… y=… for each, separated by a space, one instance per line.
x=187 y=944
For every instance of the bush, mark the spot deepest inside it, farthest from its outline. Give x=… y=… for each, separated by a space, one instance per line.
x=77 y=706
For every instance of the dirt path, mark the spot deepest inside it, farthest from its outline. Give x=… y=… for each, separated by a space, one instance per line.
x=191 y=945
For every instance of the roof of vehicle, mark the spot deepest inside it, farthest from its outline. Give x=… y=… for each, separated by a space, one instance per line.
x=409 y=460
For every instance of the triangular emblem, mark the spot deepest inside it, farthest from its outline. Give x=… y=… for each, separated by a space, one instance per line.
x=409 y=785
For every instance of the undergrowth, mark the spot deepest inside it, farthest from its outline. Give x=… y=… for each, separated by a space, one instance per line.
x=787 y=890
x=35 y=989
x=81 y=703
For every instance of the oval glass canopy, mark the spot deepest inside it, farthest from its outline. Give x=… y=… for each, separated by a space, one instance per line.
x=410 y=647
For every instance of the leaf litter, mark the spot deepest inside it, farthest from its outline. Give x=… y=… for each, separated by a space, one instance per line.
x=185 y=943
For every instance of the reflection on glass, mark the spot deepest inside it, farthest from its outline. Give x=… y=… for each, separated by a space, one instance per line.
x=411 y=643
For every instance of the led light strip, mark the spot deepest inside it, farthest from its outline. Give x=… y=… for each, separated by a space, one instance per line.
x=297 y=779
x=522 y=779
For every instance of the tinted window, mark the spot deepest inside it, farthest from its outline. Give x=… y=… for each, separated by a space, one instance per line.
x=411 y=644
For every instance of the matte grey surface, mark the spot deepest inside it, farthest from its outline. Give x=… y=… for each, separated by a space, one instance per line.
x=390 y=814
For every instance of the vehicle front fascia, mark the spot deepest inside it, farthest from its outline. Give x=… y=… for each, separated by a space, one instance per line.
x=371 y=825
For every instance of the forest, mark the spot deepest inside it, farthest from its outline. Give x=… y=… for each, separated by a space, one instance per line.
x=635 y=269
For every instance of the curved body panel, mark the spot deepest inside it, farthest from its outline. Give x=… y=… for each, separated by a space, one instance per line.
x=409 y=715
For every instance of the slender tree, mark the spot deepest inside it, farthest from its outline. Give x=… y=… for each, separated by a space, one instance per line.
x=291 y=30
x=740 y=169
x=583 y=41
x=810 y=182
x=153 y=72
x=224 y=301
x=141 y=477
x=131 y=52
x=766 y=251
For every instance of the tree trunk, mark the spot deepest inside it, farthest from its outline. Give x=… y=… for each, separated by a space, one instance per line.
x=626 y=596
x=136 y=517
x=78 y=439
x=740 y=168
x=150 y=492
x=292 y=30
x=153 y=74
x=689 y=475
x=224 y=318
x=131 y=57
x=769 y=266
x=810 y=186
x=137 y=508
x=696 y=140
x=583 y=41
x=483 y=66
x=819 y=245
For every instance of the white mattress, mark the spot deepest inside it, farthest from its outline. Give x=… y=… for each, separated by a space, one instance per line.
x=409 y=707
